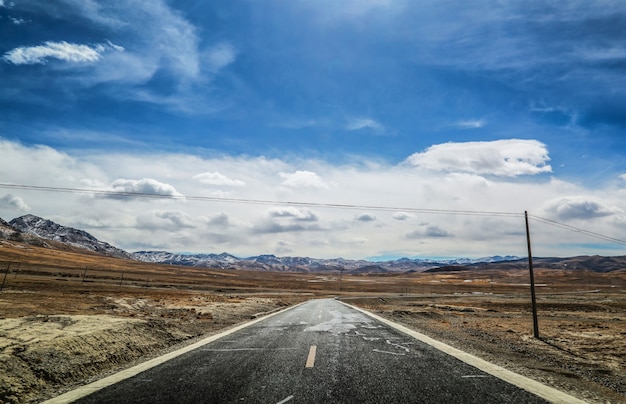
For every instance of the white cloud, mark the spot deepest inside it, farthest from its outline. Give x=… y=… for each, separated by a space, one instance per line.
x=506 y=158
x=215 y=178
x=17 y=21
x=14 y=202
x=294 y=213
x=145 y=186
x=403 y=216
x=156 y=39
x=623 y=177
x=364 y=123
x=178 y=219
x=470 y=124
x=69 y=52
x=427 y=231
x=365 y=217
x=246 y=229
x=220 y=56
x=302 y=179
x=579 y=207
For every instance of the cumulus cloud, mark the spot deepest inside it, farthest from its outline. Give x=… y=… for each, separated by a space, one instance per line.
x=146 y=186
x=403 y=216
x=579 y=207
x=178 y=219
x=68 y=52
x=249 y=229
x=365 y=217
x=215 y=178
x=294 y=213
x=302 y=179
x=220 y=220
x=14 y=202
x=270 y=227
x=427 y=231
x=506 y=158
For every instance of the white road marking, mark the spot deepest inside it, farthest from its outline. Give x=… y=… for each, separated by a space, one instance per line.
x=387 y=352
x=546 y=392
x=247 y=349
x=285 y=400
x=310 y=361
x=398 y=345
x=468 y=376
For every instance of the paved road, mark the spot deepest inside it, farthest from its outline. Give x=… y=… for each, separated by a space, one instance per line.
x=319 y=352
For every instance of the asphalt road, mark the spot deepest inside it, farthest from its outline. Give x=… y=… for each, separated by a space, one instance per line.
x=319 y=352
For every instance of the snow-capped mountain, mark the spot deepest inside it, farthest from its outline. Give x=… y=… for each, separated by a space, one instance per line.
x=46 y=233
x=223 y=260
x=49 y=230
x=269 y=262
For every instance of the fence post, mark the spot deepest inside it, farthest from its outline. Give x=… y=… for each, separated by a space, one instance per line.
x=5 y=276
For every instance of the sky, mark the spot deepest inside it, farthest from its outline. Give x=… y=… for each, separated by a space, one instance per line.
x=363 y=129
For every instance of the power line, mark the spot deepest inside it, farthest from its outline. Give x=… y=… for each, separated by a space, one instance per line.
x=128 y=194
x=577 y=230
x=256 y=201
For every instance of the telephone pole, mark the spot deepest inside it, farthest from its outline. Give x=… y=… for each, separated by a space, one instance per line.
x=532 y=280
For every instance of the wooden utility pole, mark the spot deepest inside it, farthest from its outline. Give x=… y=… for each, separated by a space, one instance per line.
x=532 y=280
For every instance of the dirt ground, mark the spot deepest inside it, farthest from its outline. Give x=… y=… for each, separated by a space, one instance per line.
x=66 y=320
x=51 y=341
x=581 y=348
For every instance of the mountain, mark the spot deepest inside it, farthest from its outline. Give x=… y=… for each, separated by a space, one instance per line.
x=223 y=260
x=28 y=226
x=35 y=230
x=269 y=262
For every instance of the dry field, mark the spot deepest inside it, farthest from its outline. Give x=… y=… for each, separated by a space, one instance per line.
x=67 y=318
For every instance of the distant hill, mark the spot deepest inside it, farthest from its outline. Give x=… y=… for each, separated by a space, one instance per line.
x=42 y=232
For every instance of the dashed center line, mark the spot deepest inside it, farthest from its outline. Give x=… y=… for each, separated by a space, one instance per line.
x=310 y=361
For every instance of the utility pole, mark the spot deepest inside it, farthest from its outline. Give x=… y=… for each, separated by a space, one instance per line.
x=532 y=280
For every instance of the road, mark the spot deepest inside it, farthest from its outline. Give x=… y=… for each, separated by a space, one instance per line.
x=319 y=352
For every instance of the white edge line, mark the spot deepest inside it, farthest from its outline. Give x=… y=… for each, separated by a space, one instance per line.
x=546 y=392
x=87 y=389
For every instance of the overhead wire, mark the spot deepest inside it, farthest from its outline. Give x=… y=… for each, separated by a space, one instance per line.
x=576 y=229
x=129 y=194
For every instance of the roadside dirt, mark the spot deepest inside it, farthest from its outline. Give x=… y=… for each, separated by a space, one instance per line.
x=581 y=347
x=76 y=337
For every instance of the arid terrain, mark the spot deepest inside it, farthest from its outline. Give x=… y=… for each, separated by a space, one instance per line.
x=67 y=318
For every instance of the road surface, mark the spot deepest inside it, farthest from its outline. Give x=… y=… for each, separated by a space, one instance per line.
x=321 y=351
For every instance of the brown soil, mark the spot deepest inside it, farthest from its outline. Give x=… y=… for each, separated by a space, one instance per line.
x=69 y=318
x=581 y=347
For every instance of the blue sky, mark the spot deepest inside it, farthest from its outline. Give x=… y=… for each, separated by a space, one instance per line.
x=480 y=106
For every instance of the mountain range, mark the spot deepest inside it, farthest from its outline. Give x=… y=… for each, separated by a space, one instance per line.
x=35 y=230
